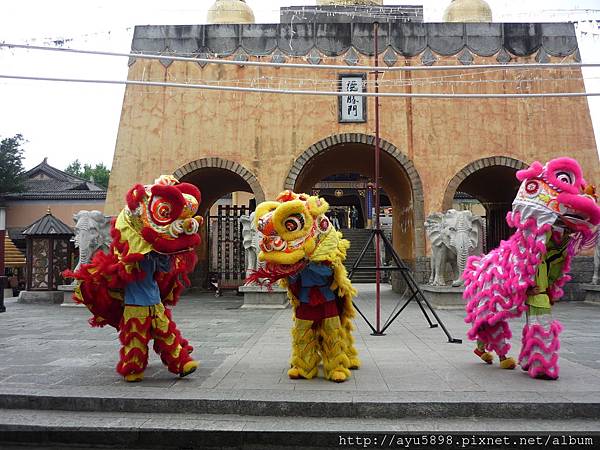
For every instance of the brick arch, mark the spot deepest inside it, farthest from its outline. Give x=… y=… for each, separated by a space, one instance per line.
x=473 y=167
x=220 y=163
x=390 y=149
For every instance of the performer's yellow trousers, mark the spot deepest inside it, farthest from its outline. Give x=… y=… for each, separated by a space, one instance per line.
x=142 y=323
x=327 y=341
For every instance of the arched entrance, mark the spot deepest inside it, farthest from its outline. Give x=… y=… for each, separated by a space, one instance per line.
x=352 y=153
x=221 y=181
x=348 y=195
x=492 y=182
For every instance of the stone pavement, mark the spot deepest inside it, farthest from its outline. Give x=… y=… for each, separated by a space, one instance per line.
x=51 y=360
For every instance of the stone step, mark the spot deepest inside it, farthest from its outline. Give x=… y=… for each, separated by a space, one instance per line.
x=306 y=403
x=357 y=251
x=363 y=262
x=364 y=280
x=53 y=430
x=45 y=430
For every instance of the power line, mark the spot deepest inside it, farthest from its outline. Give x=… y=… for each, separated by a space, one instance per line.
x=307 y=66
x=267 y=82
x=301 y=92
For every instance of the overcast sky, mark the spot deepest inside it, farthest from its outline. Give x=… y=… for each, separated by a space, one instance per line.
x=68 y=121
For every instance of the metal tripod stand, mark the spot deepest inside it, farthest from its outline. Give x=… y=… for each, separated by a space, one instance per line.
x=413 y=287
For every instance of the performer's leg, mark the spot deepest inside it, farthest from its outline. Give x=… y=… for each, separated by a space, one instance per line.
x=174 y=351
x=333 y=349
x=351 y=352
x=524 y=356
x=539 y=355
x=305 y=356
x=487 y=357
x=134 y=336
x=495 y=338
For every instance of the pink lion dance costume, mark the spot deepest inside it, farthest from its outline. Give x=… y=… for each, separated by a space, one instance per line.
x=555 y=215
x=132 y=286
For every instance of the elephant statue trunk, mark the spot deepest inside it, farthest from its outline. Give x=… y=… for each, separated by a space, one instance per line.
x=464 y=244
x=463 y=248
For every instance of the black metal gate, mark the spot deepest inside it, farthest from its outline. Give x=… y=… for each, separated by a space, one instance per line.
x=226 y=249
x=497 y=228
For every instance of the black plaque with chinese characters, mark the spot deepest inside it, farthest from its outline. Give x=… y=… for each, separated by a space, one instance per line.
x=352 y=108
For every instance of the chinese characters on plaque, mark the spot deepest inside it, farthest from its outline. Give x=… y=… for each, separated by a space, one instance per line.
x=352 y=107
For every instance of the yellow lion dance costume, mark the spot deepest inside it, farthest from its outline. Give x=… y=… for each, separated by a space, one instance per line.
x=303 y=251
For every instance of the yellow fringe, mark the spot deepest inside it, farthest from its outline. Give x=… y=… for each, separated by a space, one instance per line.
x=305 y=357
x=333 y=350
x=351 y=351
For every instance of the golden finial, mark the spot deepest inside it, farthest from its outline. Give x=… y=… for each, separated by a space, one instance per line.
x=230 y=11
x=468 y=11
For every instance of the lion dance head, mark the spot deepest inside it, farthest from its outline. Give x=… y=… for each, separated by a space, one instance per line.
x=557 y=194
x=294 y=231
x=163 y=215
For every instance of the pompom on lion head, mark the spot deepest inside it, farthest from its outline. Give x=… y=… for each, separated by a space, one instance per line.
x=163 y=214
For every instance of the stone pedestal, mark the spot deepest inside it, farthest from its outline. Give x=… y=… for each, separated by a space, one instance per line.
x=51 y=297
x=67 y=290
x=8 y=292
x=592 y=293
x=444 y=297
x=261 y=297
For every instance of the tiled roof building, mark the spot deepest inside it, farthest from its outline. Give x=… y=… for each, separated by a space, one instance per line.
x=45 y=182
x=47 y=187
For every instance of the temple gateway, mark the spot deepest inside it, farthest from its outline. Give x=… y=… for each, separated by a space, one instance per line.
x=242 y=148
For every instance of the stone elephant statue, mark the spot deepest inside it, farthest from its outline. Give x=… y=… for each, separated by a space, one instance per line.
x=92 y=233
x=596 y=263
x=454 y=236
x=250 y=242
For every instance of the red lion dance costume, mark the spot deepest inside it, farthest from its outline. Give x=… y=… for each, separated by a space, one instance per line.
x=131 y=287
x=555 y=215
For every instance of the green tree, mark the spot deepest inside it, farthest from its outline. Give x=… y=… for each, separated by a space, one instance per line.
x=98 y=174
x=12 y=173
x=75 y=168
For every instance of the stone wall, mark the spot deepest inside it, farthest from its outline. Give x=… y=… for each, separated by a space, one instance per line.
x=581 y=271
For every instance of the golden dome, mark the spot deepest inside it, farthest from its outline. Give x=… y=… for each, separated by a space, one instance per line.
x=230 y=11
x=468 y=11
x=348 y=2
